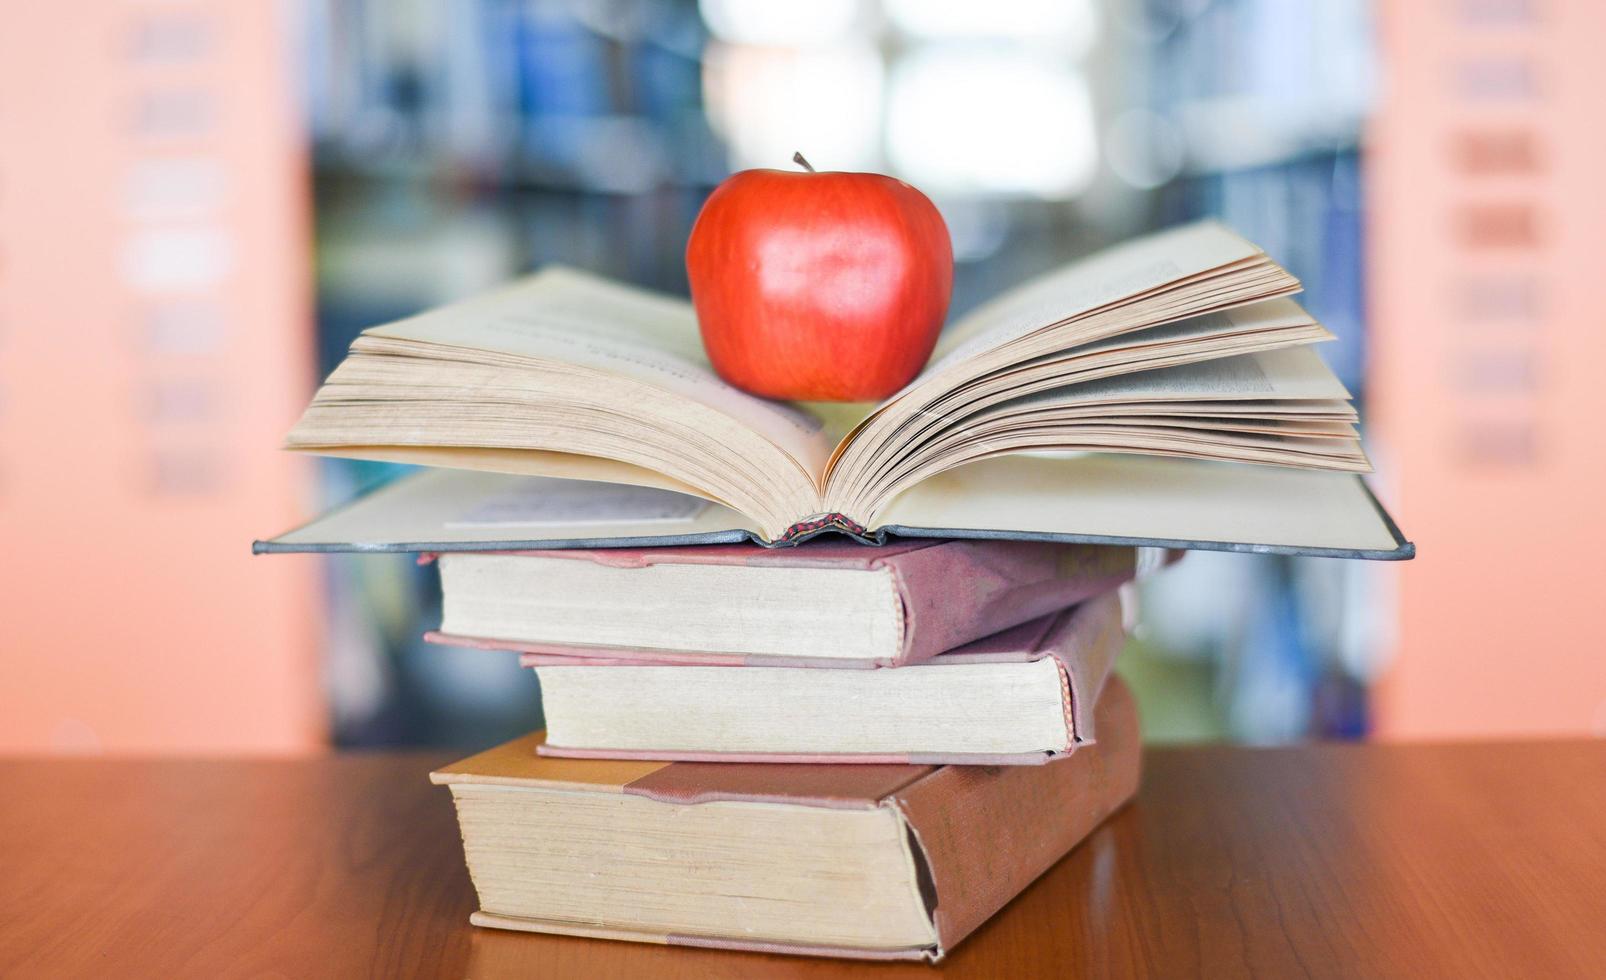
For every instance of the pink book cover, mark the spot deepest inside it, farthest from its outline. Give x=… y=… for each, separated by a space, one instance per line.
x=951 y=592
x=1082 y=641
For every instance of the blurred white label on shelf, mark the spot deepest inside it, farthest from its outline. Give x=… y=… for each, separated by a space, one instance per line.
x=176 y=259
x=174 y=187
x=185 y=327
x=181 y=114
x=173 y=38
x=541 y=501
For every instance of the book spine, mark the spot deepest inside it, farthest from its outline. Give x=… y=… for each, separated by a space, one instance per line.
x=805 y=529
x=1086 y=647
x=985 y=833
x=964 y=590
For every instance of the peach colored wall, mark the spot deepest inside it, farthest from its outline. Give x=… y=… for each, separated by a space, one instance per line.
x=154 y=346
x=1487 y=258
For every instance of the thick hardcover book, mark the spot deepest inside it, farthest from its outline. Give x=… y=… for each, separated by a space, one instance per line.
x=1020 y=697
x=1159 y=393
x=830 y=603
x=876 y=862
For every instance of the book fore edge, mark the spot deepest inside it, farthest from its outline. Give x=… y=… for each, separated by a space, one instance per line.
x=900 y=606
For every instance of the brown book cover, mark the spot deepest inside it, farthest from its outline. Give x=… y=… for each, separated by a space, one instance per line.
x=978 y=834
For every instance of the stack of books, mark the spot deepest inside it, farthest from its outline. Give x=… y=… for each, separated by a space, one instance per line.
x=827 y=749
x=829 y=680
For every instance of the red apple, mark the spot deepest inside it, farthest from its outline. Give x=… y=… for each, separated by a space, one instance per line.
x=819 y=286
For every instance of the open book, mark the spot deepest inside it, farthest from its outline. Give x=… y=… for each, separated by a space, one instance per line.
x=1160 y=392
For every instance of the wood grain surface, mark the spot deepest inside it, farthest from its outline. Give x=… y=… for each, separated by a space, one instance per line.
x=1471 y=860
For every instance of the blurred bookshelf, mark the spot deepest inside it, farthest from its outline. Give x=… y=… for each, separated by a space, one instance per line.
x=1485 y=308
x=155 y=340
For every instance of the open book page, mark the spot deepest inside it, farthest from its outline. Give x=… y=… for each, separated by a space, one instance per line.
x=436 y=508
x=1285 y=374
x=1226 y=408
x=1246 y=283
x=569 y=317
x=1275 y=318
x=525 y=462
x=900 y=436
x=1188 y=272
x=1294 y=411
x=1304 y=428
x=1258 y=327
x=1111 y=276
x=1189 y=503
x=1289 y=374
x=1070 y=417
x=1181 y=442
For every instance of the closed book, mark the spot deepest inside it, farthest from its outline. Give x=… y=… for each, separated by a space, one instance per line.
x=824 y=602
x=878 y=862
x=1023 y=696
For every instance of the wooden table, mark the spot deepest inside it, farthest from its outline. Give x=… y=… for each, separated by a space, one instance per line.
x=1478 y=860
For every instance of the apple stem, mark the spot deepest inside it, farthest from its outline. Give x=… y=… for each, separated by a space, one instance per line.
x=797 y=158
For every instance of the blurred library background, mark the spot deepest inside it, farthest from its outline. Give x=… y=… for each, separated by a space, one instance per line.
x=201 y=204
